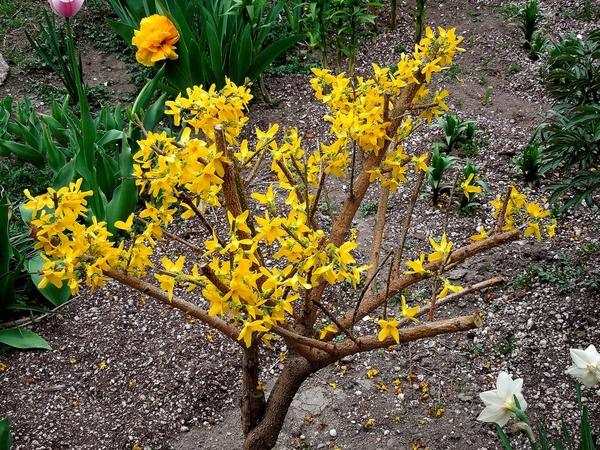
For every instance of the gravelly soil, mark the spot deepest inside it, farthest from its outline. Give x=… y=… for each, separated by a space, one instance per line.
x=125 y=370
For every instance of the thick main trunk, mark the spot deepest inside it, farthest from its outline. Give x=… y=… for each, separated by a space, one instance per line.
x=264 y=435
x=253 y=399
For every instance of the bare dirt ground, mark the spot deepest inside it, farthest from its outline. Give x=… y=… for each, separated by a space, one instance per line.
x=125 y=371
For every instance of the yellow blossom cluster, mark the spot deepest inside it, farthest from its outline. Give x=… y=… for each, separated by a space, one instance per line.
x=203 y=109
x=518 y=210
x=66 y=243
x=361 y=108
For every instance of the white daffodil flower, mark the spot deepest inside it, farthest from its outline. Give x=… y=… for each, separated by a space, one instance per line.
x=586 y=365
x=500 y=403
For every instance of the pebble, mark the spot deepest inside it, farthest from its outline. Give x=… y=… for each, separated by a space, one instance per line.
x=333 y=433
x=4 y=69
x=184 y=429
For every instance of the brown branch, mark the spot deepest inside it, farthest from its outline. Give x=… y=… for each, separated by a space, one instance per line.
x=190 y=202
x=214 y=279
x=183 y=305
x=339 y=326
x=232 y=201
x=502 y=212
x=255 y=168
x=384 y=195
x=408 y=218
x=313 y=208
x=174 y=237
x=361 y=184
x=455 y=296
x=326 y=355
x=364 y=292
x=447 y=215
x=436 y=285
x=371 y=303
x=297 y=340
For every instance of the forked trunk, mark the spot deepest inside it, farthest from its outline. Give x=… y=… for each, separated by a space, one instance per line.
x=264 y=435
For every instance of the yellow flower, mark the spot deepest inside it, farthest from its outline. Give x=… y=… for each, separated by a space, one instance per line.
x=416 y=266
x=126 y=226
x=155 y=40
x=551 y=229
x=249 y=327
x=448 y=287
x=409 y=312
x=467 y=188
x=482 y=234
x=328 y=329
x=442 y=250
x=389 y=327
x=420 y=163
x=372 y=373
x=265 y=199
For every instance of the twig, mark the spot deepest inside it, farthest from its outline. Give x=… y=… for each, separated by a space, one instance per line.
x=446 y=217
x=190 y=202
x=313 y=208
x=174 y=237
x=502 y=212
x=255 y=168
x=436 y=285
x=408 y=217
x=335 y=321
x=362 y=294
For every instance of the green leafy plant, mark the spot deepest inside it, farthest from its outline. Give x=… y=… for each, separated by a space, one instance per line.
x=570 y=136
x=368 y=208
x=51 y=47
x=530 y=163
x=317 y=25
x=523 y=281
x=349 y=21
x=537 y=46
x=5 y=434
x=458 y=133
x=511 y=11
x=471 y=351
x=528 y=22
x=569 y=274
x=217 y=39
x=420 y=16
x=440 y=165
x=487 y=97
x=515 y=68
x=294 y=12
x=507 y=346
x=474 y=16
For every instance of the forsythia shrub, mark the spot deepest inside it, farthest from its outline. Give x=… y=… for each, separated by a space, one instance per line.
x=245 y=294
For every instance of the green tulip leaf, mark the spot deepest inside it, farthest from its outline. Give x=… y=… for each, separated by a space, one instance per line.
x=25 y=339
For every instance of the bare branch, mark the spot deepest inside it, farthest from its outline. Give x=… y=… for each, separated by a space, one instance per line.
x=185 y=306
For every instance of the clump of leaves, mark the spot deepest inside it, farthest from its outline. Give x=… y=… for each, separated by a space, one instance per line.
x=440 y=164
x=528 y=22
x=459 y=133
x=570 y=137
x=530 y=162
